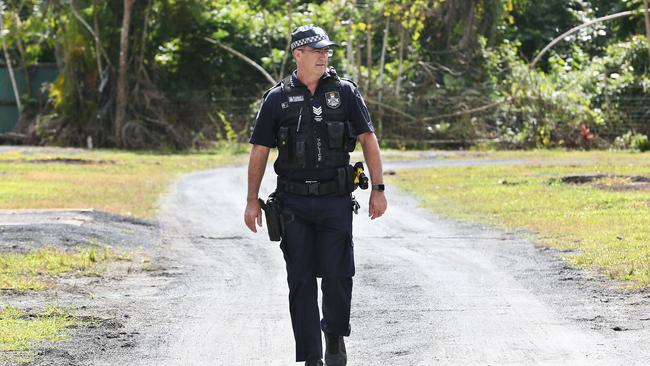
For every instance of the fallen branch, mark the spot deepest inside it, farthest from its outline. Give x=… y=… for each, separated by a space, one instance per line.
x=402 y=113
x=243 y=57
x=13 y=138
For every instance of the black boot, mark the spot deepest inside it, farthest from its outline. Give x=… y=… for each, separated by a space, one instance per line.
x=315 y=361
x=335 y=354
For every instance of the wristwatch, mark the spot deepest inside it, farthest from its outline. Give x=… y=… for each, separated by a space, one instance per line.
x=378 y=187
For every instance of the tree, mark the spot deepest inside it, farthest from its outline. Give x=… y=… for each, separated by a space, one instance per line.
x=7 y=56
x=122 y=83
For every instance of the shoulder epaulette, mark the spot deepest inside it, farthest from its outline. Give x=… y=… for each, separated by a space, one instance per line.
x=348 y=80
x=271 y=88
x=287 y=84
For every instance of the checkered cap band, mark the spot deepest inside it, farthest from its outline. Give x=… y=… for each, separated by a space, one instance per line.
x=308 y=40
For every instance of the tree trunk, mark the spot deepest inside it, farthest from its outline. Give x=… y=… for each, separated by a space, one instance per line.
x=122 y=82
x=357 y=61
x=469 y=34
x=23 y=64
x=401 y=58
x=380 y=79
x=349 y=51
x=95 y=33
x=647 y=23
x=23 y=60
x=287 y=48
x=382 y=60
x=145 y=29
x=368 y=56
x=8 y=61
x=100 y=67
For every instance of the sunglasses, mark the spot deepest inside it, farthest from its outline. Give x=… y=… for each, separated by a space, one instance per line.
x=319 y=51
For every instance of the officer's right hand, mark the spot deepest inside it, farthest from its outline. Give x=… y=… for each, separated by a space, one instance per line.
x=253 y=213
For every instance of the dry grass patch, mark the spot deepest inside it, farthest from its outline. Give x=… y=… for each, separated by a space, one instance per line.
x=127 y=183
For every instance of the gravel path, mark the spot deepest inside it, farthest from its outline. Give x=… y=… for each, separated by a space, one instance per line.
x=428 y=291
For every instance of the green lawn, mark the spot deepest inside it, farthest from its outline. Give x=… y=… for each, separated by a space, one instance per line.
x=609 y=227
x=127 y=183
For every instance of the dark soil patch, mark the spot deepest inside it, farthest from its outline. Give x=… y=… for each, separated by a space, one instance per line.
x=61 y=161
x=610 y=182
x=23 y=231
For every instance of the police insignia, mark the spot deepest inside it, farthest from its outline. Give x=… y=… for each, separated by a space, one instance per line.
x=333 y=99
x=296 y=98
x=285 y=105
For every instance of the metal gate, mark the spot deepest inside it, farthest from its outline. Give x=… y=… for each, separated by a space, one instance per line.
x=38 y=74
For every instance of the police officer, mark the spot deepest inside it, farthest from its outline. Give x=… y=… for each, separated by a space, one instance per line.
x=314 y=118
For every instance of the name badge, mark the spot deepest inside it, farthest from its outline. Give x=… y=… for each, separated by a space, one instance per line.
x=296 y=98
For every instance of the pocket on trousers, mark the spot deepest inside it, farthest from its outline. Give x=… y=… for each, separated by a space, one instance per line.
x=350 y=247
x=287 y=218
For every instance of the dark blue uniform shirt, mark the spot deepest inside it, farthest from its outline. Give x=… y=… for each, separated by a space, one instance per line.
x=267 y=121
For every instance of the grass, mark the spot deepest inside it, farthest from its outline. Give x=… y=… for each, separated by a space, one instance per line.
x=36 y=270
x=20 y=332
x=608 y=229
x=127 y=183
x=536 y=154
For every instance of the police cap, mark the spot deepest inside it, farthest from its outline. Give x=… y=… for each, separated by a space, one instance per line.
x=310 y=35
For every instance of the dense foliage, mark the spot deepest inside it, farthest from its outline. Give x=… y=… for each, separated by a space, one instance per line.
x=449 y=73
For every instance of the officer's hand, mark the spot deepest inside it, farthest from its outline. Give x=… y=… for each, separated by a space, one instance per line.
x=253 y=213
x=377 y=205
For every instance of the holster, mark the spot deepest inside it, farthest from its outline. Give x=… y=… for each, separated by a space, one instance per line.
x=346 y=178
x=273 y=214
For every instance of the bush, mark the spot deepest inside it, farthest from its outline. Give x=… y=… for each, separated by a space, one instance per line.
x=632 y=141
x=582 y=101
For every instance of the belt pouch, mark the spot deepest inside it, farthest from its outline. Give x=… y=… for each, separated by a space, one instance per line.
x=342 y=180
x=300 y=151
x=350 y=138
x=335 y=131
x=349 y=178
x=283 y=143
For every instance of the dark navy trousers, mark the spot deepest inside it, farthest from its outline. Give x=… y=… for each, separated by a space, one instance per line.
x=317 y=242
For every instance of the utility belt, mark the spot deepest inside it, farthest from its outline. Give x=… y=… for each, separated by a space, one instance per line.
x=347 y=179
x=310 y=188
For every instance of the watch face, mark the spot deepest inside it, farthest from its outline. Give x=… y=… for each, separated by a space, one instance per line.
x=378 y=187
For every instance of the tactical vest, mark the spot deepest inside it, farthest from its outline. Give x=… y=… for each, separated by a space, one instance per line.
x=310 y=147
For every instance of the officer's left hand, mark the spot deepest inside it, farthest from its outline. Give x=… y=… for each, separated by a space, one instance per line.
x=377 y=205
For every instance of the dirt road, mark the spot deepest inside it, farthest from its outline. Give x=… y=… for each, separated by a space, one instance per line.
x=427 y=292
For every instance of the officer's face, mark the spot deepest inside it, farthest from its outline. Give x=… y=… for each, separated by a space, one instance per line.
x=312 y=60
